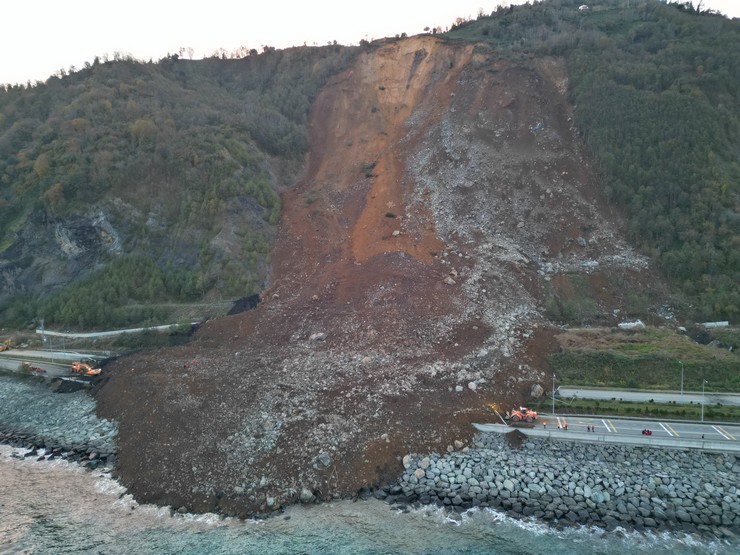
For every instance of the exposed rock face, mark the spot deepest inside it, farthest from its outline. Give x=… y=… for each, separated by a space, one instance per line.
x=452 y=148
x=52 y=253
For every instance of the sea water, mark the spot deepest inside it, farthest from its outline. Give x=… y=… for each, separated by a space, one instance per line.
x=57 y=507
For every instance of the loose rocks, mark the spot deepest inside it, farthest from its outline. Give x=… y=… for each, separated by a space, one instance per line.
x=60 y=425
x=575 y=483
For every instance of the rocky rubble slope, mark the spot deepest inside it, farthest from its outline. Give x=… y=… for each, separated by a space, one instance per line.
x=445 y=192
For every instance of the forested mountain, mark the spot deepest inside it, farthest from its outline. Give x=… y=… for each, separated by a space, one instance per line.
x=127 y=186
x=126 y=183
x=656 y=90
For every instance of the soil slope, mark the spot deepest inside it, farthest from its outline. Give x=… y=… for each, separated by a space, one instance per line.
x=444 y=192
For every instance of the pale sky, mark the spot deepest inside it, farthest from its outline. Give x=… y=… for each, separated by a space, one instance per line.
x=39 y=37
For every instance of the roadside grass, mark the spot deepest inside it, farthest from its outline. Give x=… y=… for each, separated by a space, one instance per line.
x=668 y=411
x=651 y=359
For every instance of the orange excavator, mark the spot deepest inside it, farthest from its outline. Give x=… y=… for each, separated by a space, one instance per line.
x=85 y=369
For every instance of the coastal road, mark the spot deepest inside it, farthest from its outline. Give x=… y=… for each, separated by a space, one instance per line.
x=111 y=333
x=50 y=356
x=54 y=363
x=51 y=369
x=657 y=396
x=618 y=426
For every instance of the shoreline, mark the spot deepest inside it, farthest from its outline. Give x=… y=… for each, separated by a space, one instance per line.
x=557 y=481
x=525 y=478
x=564 y=483
x=89 y=457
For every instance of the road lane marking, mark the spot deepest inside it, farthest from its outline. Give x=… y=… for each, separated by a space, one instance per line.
x=728 y=433
x=675 y=433
x=666 y=429
x=609 y=426
x=721 y=432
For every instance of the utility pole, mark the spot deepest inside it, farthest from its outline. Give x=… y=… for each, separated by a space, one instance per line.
x=553 y=393
x=681 y=363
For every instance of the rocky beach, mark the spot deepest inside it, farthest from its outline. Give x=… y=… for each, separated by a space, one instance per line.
x=569 y=483
x=53 y=425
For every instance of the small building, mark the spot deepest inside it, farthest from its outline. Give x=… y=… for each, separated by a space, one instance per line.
x=636 y=325
x=723 y=324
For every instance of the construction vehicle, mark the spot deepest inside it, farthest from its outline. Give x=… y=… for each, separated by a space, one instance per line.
x=31 y=369
x=522 y=415
x=85 y=369
x=5 y=345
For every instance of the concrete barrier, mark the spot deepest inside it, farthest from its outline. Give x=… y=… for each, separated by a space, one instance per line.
x=591 y=437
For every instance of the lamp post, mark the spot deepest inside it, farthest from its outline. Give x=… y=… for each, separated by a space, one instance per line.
x=702 y=399
x=553 y=393
x=681 y=363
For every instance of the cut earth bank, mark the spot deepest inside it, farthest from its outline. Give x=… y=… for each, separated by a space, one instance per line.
x=446 y=197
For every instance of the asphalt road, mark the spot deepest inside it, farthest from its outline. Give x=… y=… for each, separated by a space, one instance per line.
x=53 y=363
x=659 y=397
x=51 y=369
x=112 y=333
x=608 y=425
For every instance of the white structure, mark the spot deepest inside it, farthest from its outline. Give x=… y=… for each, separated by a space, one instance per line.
x=636 y=325
x=723 y=324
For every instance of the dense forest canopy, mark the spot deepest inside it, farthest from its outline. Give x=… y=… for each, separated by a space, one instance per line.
x=656 y=89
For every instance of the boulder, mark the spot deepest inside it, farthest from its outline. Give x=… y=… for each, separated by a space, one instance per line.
x=324 y=458
x=536 y=391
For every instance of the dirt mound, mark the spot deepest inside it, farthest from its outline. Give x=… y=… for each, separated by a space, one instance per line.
x=515 y=438
x=444 y=189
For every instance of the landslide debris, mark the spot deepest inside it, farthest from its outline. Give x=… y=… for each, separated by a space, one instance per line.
x=445 y=194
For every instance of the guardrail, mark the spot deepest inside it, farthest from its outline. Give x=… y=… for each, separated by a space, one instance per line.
x=112 y=333
x=591 y=437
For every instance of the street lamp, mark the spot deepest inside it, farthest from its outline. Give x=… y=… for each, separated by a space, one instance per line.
x=553 y=393
x=702 y=399
x=681 y=363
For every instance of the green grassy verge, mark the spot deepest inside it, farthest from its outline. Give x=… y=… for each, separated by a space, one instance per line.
x=650 y=359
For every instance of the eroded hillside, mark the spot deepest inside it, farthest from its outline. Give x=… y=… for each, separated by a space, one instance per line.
x=445 y=203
